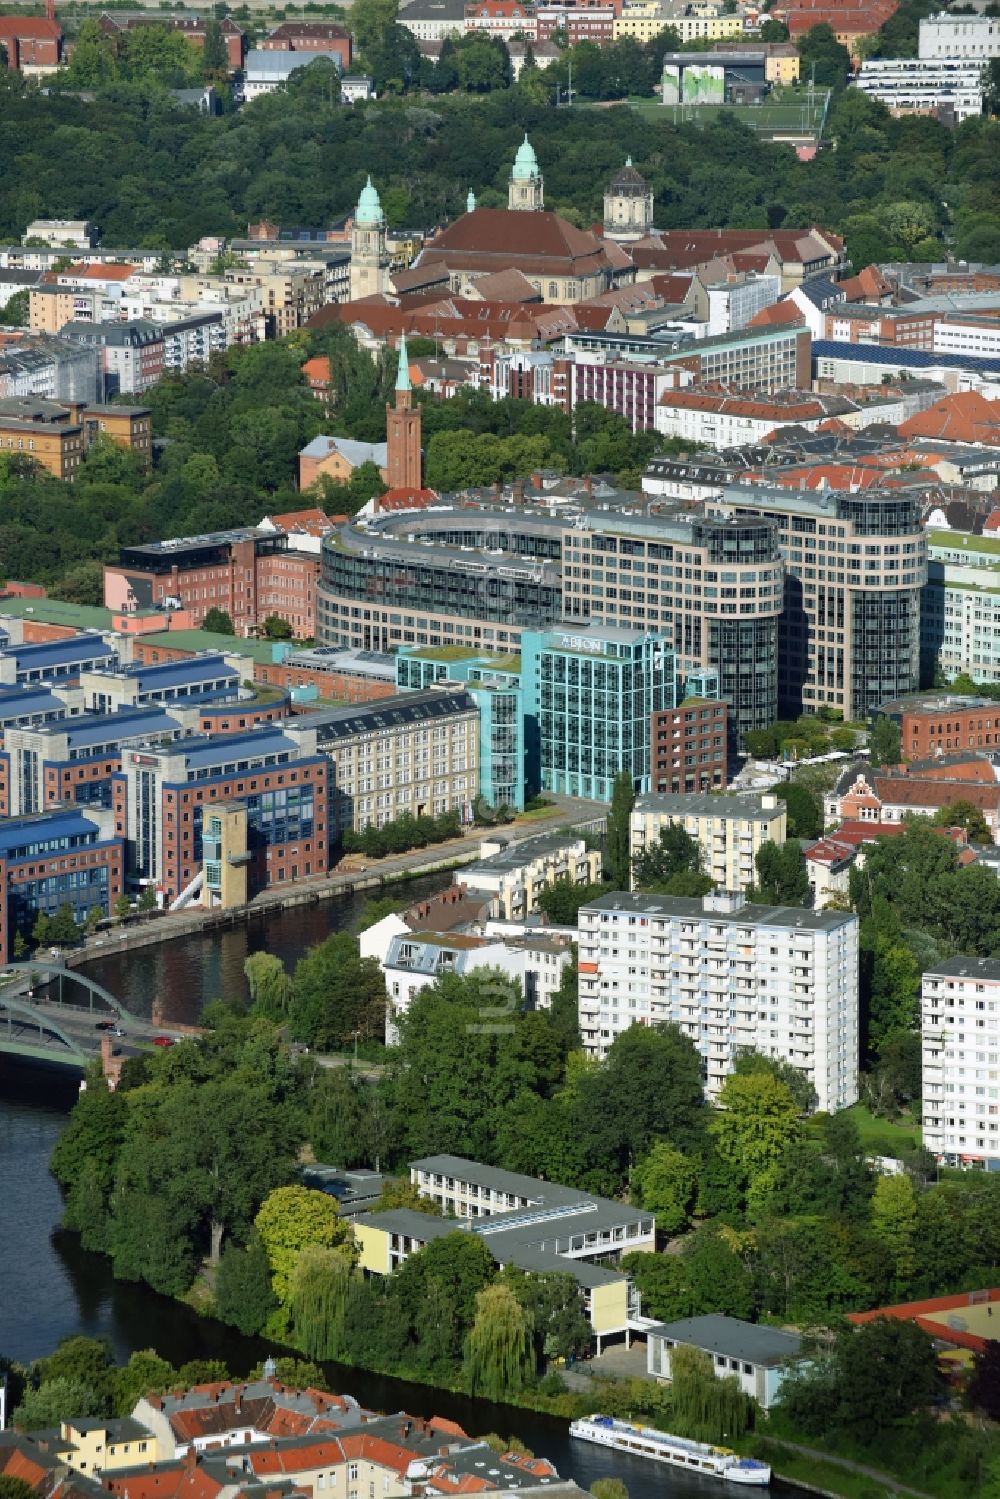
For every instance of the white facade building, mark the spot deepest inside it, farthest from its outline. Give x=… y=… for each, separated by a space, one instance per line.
x=968 y=335
x=267 y=71
x=960 y=618
x=779 y=979
x=960 y=1030
x=415 y=960
x=950 y=37
x=732 y=303
x=910 y=85
x=729 y=830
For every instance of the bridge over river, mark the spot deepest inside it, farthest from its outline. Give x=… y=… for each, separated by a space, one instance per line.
x=69 y=1022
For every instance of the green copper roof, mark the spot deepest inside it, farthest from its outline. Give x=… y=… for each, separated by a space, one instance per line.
x=369 y=209
x=525 y=162
x=403 y=373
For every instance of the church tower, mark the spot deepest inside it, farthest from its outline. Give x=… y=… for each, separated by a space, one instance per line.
x=402 y=422
x=525 y=189
x=628 y=206
x=369 y=257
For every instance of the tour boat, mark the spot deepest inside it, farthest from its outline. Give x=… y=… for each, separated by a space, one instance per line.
x=696 y=1457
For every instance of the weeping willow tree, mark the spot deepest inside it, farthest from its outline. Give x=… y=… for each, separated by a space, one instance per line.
x=703 y=1407
x=498 y=1351
x=319 y=1288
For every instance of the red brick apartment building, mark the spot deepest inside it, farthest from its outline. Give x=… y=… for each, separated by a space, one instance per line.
x=248 y=574
x=31 y=42
x=688 y=750
x=310 y=36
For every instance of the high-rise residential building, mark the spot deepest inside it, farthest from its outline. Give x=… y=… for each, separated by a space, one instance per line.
x=729 y=830
x=960 y=1030
x=848 y=636
x=778 y=979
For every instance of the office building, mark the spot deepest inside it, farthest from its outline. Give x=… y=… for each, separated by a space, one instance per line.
x=715 y=584
x=74 y=761
x=729 y=830
x=534 y=1225
x=56 y=859
x=248 y=574
x=55 y=661
x=960 y=1031
x=944 y=723
x=778 y=979
x=855 y=564
x=948 y=88
x=417 y=753
x=589 y=695
x=757 y=1357
x=273 y=789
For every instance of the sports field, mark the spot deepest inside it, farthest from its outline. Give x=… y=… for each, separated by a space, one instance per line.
x=784 y=112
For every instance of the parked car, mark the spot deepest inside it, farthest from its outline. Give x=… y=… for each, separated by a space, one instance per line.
x=105 y=1025
x=163 y=1040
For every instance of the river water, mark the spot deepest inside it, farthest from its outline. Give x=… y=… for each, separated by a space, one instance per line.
x=50 y=1288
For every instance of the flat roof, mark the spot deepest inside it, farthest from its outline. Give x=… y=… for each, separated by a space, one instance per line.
x=389 y=713
x=105 y=728
x=750 y=1342
x=516 y=855
x=987 y=969
x=74 y=648
x=43 y=827
x=702 y=804
x=694 y=910
x=57 y=612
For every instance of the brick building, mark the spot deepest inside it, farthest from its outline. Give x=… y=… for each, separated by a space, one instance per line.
x=579 y=22
x=192 y=28
x=248 y=574
x=943 y=723
x=273 y=789
x=54 y=859
x=688 y=747
x=310 y=36
x=31 y=44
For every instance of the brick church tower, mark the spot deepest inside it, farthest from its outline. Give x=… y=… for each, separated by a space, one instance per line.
x=402 y=467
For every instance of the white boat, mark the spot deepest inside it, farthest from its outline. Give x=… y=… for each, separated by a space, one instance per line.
x=696 y=1457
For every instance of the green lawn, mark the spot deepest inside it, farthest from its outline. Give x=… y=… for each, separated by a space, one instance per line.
x=783 y=112
x=878 y=1133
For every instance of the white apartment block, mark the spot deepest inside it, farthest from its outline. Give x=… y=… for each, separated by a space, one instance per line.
x=515 y=875
x=779 y=979
x=731 y=304
x=729 y=830
x=973 y=37
x=968 y=335
x=910 y=85
x=960 y=1030
x=960 y=619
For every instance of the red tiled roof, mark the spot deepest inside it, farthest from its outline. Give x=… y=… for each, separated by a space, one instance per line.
x=965 y=417
x=317 y=369
x=402 y=498
x=499 y=238
x=30 y=28
x=314 y=522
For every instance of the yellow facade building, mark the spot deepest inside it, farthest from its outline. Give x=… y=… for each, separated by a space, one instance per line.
x=647 y=18
x=95 y=1446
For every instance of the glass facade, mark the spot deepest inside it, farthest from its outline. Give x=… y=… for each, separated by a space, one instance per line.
x=80 y=889
x=885 y=647
x=745 y=654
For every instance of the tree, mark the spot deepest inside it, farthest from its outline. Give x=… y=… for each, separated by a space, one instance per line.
x=276 y=628
x=557 y=1316
x=894 y=1222
x=269 y=985
x=14 y=313
x=15 y=1488
x=144 y=1374
x=293 y=1219
x=370 y=19
x=665 y=1182
x=214 y=60
x=122 y=907
x=964 y=814
x=85 y=1361
x=885 y=742
x=336 y=995
x=804 y=808
x=318 y=1299
x=55 y=1401
x=560 y=902
x=618 y=840
x=983 y=1388
x=670 y=863
x=797 y=1082
x=243 y=1294
x=823 y=58
x=759 y=1119
x=702 y=1406
x=498 y=1357
x=218 y=622
x=781 y=875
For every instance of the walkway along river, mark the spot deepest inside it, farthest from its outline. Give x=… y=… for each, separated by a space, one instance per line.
x=50 y=1288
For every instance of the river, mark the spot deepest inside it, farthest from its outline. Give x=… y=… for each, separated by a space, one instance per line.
x=50 y=1288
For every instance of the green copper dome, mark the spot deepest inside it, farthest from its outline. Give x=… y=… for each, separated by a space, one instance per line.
x=369 y=209
x=525 y=162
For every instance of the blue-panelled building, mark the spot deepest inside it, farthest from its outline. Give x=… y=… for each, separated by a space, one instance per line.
x=58 y=858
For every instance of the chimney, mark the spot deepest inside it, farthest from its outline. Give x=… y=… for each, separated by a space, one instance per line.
x=518 y=492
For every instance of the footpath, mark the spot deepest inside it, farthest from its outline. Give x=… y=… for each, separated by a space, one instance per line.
x=885 y=1480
